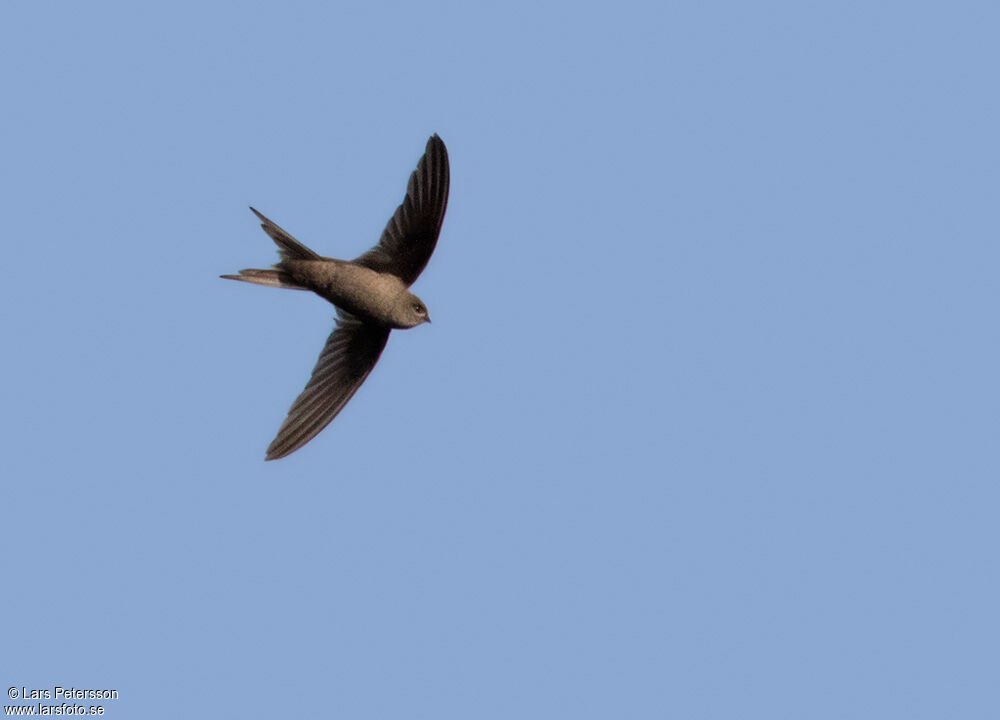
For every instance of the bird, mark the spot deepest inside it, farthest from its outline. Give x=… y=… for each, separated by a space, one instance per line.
x=370 y=293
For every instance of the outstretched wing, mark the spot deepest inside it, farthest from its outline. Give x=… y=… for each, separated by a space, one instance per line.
x=349 y=355
x=412 y=233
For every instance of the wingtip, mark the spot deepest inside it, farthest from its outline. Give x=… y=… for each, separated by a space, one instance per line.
x=274 y=452
x=436 y=148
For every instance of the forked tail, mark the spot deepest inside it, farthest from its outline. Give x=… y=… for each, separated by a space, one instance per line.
x=288 y=247
x=270 y=278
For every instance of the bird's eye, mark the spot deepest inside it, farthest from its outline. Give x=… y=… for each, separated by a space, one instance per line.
x=420 y=309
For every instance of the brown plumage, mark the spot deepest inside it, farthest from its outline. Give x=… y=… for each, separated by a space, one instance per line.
x=370 y=292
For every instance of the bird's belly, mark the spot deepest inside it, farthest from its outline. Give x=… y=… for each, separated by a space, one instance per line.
x=362 y=292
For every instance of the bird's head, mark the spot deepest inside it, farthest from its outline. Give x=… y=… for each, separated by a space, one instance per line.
x=413 y=312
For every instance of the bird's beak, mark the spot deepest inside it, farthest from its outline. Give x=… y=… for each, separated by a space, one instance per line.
x=428 y=318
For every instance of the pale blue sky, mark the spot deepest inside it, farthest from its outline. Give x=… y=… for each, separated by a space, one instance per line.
x=705 y=426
